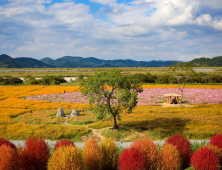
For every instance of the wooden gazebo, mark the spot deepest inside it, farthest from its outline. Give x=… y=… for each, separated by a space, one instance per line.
x=170 y=97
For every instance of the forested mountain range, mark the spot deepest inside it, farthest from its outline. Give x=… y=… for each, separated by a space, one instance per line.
x=21 y=62
x=207 y=62
x=80 y=62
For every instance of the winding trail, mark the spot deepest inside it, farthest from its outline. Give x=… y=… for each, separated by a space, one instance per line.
x=94 y=131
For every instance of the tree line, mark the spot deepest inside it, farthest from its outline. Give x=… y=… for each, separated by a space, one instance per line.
x=207 y=62
x=30 y=80
x=168 y=78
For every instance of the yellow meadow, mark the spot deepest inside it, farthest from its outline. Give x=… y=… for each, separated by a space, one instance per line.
x=197 y=122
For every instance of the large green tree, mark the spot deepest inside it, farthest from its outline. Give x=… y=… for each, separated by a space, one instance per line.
x=111 y=93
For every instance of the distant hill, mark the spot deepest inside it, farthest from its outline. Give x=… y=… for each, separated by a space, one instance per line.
x=24 y=62
x=21 y=62
x=207 y=62
x=7 y=62
x=48 y=61
x=79 y=62
x=92 y=62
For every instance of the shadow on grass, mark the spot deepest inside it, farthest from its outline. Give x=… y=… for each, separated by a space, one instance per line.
x=117 y=134
x=161 y=127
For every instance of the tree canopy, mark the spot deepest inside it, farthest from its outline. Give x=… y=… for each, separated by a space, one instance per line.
x=111 y=93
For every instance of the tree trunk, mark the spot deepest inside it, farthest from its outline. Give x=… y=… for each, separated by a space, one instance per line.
x=115 y=126
x=181 y=101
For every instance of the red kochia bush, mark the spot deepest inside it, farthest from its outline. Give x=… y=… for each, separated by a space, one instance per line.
x=216 y=140
x=216 y=150
x=8 y=158
x=169 y=158
x=205 y=159
x=183 y=146
x=7 y=142
x=35 y=154
x=149 y=151
x=132 y=158
x=91 y=154
x=64 y=143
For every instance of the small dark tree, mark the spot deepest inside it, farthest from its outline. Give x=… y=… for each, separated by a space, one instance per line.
x=80 y=77
x=182 y=71
x=28 y=78
x=111 y=93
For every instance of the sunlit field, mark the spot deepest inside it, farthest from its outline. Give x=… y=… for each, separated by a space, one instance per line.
x=31 y=111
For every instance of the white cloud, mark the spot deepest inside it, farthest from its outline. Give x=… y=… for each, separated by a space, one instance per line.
x=199 y=56
x=23 y=48
x=217 y=24
x=86 y=47
x=148 y=48
x=212 y=3
x=70 y=13
x=140 y=30
x=9 y=12
x=25 y=2
x=204 y=19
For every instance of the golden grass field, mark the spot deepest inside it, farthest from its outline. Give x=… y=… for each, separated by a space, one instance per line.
x=21 y=118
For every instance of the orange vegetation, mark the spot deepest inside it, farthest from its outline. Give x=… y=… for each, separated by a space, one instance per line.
x=12 y=105
x=199 y=121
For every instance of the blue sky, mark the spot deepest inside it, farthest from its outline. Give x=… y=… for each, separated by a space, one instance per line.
x=141 y=30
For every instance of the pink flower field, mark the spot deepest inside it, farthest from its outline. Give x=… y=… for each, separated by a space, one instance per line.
x=151 y=96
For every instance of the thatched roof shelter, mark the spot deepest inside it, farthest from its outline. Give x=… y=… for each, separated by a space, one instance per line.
x=170 y=96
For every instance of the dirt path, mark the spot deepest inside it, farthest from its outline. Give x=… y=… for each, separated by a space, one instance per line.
x=95 y=132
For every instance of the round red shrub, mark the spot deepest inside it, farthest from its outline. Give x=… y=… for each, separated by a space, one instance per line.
x=216 y=140
x=132 y=158
x=216 y=150
x=35 y=154
x=7 y=142
x=8 y=158
x=64 y=143
x=183 y=146
x=149 y=151
x=205 y=159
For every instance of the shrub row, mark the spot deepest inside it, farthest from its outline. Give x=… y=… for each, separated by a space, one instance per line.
x=168 y=78
x=30 y=80
x=8 y=80
x=141 y=155
x=46 y=80
x=143 y=78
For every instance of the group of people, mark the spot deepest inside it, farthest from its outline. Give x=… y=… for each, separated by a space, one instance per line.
x=174 y=101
